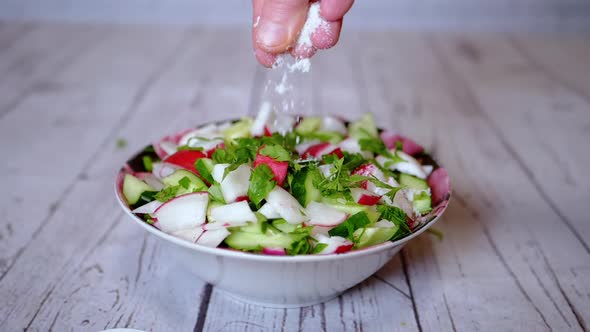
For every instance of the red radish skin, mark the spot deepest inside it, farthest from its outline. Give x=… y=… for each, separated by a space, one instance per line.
x=365 y=170
x=440 y=185
x=317 y=149
x=410 y=147
x=243 y=198
x=278 y=168
x=267 y=132
x=368 y=199
x=219 y=146
x=186 y=159
x=274 y=251
x=343 y=249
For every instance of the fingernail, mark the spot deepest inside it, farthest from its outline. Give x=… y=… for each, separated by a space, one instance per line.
x=272 y=34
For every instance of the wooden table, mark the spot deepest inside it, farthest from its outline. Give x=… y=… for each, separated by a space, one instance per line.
x=508 y=116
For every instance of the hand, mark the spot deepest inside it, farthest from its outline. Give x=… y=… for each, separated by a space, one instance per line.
x=277 y=24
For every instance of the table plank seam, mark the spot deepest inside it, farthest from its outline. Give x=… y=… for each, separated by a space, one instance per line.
x=567 y=299
x=203 y=307
x=409 y=283
x=18 y=36
x=449 y=312
x=127 y=115
x=45 y=298
x=522 y=51
x=392 y=286
x=504 y=142
x=501 y=258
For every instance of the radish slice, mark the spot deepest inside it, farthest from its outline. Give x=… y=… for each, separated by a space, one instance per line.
x=151 y=180
x=364 y=197
x=264 y=118
x=427 y=169
x=274 y=251
x=190 y=234
x=234 y=214
x=440 y=185
x=168 y=147
x=278 y=168
x=409 y=166
x=211 y=226
x=336 y=244
x=218 y=171
x=401 y=201
x=182 y=212
x=320 y=230
x=213 y=238
x=330 y=123
x=326 y=170
x=236 y=183
x=408 y=146
x=323 y=215
x=209 y=131
x=286 y=205
x=148 y=208
x=301 y=148
x=162 y=170
x=384 y=224
x=269 y=212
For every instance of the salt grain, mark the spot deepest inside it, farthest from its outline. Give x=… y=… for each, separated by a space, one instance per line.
x=313 y=22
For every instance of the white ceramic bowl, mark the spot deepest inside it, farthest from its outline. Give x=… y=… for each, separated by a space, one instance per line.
x=281 y=281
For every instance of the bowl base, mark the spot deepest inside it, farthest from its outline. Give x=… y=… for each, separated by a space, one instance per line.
x=246 y=300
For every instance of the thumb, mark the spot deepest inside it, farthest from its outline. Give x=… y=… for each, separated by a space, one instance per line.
x=280 y=23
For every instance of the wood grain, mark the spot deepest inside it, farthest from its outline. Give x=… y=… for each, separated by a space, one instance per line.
x=506 y=115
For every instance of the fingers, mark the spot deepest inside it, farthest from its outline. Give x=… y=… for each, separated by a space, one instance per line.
x=326 y=37
x=334 y=10
x=280 y=23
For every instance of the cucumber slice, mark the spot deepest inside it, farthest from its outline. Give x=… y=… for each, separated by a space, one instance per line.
x=283 y=226
x=302 y=186
x=422 y=203
x=363 y=127
x=196 y=184
x=370 y=236
x=255 y=241
x=309 y=125
x=353 y=208
x=133 y=188
x=412 y=182
x=238 y=129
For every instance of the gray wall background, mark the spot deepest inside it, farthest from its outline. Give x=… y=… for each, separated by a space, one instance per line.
x=505 y=15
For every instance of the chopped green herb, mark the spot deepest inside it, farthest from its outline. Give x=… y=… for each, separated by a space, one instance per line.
x=184 y=182
x=215 y=193
x=319 y=247
x=121 y=143
x=167 y=194
x=201 y=165
x=276 y=152
x=147 y=163
x=190 y=148
x=347 y=228
x=300 y=247
x=396 y=216
x=261 y=183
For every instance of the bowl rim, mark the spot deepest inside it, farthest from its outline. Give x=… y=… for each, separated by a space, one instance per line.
x=230 y=253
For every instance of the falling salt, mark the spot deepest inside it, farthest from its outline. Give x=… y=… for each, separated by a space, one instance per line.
x=313 y=22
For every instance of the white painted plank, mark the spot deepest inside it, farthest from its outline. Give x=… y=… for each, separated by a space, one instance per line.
x=437 y=113
x=552 y=162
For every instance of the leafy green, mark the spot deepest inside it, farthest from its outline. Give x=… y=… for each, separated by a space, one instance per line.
x=276 y=152
x=167 y=193
x=347 y=228
x=299 y=247
x=147 y=163
x=215 y=193
x=261 y=183
x=319 y=247
x=375 y=145
x=396 y=216
x=203 y=169
x=121 y=143
x=190 y=148
x=185 y=182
